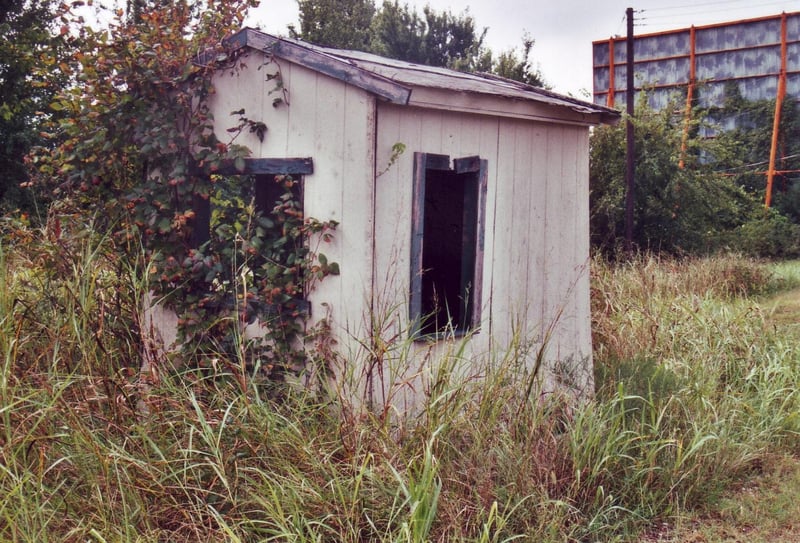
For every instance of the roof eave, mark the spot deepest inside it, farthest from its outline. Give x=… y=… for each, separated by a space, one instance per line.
x=337 y=65
x=600 y=114
x=330 y=65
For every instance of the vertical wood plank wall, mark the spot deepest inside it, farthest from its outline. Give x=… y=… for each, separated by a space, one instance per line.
x=536 y=274
x=334 y=124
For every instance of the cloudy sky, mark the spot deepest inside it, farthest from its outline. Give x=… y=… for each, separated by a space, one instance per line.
x=564 y=29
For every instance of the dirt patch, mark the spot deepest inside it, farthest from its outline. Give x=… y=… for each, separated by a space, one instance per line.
x=763 y=509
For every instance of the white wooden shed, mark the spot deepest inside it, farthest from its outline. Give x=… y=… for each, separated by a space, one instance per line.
x=480 y=227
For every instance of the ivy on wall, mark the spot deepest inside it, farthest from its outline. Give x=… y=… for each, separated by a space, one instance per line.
x=135 y=145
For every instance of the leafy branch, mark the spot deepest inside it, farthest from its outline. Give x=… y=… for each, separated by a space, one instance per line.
x=135 y=142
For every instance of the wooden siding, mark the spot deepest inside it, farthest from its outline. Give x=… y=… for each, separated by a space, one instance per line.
x=536 y=244
x=333 y=123
x=500 y=106
x=535 y=281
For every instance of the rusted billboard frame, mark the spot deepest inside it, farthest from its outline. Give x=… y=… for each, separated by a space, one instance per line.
x=776 y=121
x=611 y=90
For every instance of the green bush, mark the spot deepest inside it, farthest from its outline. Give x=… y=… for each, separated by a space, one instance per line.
x=676 y=210
x=768 y=234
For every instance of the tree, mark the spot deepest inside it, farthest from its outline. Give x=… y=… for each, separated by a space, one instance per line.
x=519 y=68
x=345 y=24
x=398 y=31
x=677 y=210
x=452 y=40
x=28 y=41
x=435 y=39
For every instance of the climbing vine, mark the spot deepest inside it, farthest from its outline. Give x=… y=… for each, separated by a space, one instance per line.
x=135 y=144
x=254 y=271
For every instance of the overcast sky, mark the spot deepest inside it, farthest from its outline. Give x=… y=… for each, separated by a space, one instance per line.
x=563 y=29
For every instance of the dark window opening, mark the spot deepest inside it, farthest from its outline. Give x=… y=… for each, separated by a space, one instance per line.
x=250 y=201
x=243 y=203
x=447 y=244
x=254 y=183
x=268 y=192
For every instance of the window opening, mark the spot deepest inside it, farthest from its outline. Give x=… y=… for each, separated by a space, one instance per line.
x=254 y=183
x=268 y=193
x=447 y=244
x=243 y=205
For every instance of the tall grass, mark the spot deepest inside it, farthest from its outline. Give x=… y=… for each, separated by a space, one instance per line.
x=695 y=390
x=698 y=369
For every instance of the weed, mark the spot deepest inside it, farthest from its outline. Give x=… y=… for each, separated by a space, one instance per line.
x=696 y=391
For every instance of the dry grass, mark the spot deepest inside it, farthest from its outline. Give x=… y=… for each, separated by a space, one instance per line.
x=697 y=390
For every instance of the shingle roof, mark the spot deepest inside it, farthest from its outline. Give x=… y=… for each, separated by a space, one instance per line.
x=394 y=80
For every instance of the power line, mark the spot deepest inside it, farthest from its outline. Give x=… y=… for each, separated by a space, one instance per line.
x=698 y=13
x=745 y=3
x=620 y=26
x=756 y=164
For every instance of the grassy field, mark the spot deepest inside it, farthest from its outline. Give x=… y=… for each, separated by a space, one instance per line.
x=692 y=435
x=765 y=505
x=761 y=503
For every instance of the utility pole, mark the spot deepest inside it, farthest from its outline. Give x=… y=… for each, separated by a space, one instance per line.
x=776 y=120
x=629 y=149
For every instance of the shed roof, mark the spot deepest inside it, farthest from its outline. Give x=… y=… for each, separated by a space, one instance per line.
x=395 y=80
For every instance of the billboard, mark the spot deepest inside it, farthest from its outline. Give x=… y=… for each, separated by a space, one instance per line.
x=749 y=53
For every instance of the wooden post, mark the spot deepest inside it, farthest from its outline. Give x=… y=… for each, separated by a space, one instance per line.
x=776 y=121
x=629 y=150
